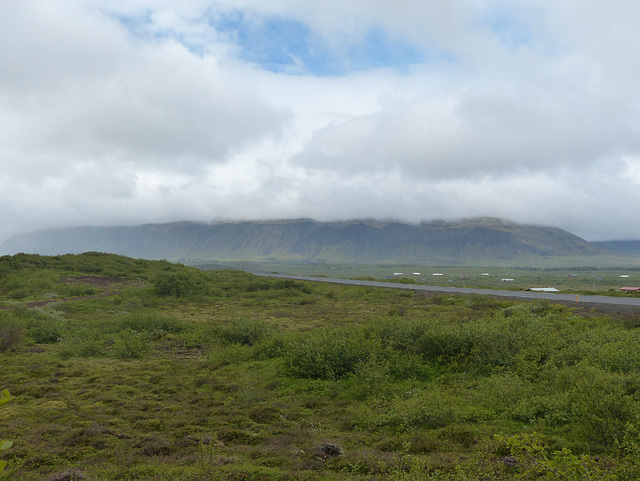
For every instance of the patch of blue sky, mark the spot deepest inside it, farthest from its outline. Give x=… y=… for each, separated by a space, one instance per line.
x=286 y=45
x=274 y=44
x=137 y=25
x=509 y=28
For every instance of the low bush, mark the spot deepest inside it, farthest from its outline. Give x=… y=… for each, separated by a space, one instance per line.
x=44 y=326
x=21 y=284
x=327 y=354
x=75 y=346
x=130 y=344
x=73 y=290
x=179 y=284
x=603 y=404
x=45 y=334
x=4 y=398
x=12 y=330
x=152 y=323
x=429 y=408
x=225 y=355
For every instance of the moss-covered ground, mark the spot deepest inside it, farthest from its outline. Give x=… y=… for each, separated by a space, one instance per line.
x=123 y=369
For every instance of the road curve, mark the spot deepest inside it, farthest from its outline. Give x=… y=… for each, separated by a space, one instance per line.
x=618 y=301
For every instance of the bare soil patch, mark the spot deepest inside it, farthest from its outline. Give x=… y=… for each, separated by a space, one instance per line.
x=99 y=282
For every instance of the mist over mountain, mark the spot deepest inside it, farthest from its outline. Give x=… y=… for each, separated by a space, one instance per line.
x=630 y=247
x=473 y=240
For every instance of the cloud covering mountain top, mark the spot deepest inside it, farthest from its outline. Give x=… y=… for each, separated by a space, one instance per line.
x=153 y=111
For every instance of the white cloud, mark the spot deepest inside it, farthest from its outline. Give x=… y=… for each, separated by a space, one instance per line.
x=149 y=111
x=86 y=93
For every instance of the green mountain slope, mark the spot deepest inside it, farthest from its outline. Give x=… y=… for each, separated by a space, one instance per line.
x=473 y=240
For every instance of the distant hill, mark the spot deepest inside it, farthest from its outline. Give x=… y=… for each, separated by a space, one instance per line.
x=620 y=247
x=470 y=242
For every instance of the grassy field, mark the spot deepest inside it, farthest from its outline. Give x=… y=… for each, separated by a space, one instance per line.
x=584 y=280
x=123 y=369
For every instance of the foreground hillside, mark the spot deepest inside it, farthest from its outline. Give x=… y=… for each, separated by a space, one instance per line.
x=471 y=242
x=130 y=369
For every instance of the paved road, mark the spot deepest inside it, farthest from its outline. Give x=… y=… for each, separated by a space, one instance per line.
x=552 y=296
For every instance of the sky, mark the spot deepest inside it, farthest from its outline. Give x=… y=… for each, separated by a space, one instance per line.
x=126 y=112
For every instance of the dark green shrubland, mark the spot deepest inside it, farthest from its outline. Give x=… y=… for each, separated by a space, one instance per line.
x=233 y=376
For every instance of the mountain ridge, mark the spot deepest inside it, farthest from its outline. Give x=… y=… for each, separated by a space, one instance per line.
x=365 y=240
x=625 y=247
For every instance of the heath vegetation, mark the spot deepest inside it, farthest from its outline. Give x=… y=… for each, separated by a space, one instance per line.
x=124 y=369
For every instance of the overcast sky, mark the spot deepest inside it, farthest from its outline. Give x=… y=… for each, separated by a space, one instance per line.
x=137 y=111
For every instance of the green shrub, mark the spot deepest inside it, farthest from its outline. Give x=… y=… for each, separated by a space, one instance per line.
x=4 y=398
x=629 y=454
x=444 y=300
x=73 y=290
x=44 y=326
x=429 y=408
x=327 y=354
x=12 y=330
x=21 y=284
x=76 y=346
x=440 y=341
x=230 y=354
x=603 y=403
x=540 y=306
x=129 y=344
x=241 y=331
x=295 y=285
x=533 y=459
x=371 y=377
x=152 y=323
x=619 y=353
x=553 y=409
x=179 y=284
x=45 y=334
